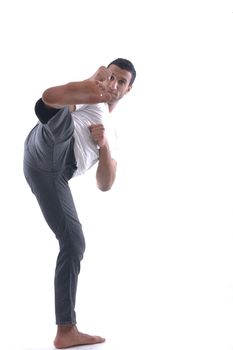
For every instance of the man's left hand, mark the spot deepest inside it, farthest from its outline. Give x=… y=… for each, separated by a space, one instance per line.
x=98 y=134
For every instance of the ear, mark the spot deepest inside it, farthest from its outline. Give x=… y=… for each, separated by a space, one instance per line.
x=129 y=88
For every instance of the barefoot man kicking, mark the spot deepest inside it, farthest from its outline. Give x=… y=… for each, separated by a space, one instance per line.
x=73 y=133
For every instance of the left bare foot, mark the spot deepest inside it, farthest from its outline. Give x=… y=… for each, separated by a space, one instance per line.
x=69 y=336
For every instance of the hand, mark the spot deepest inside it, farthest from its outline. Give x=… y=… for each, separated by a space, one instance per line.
x=98 y=134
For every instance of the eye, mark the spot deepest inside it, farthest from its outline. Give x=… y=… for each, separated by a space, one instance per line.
x=121 y=82
x=112 y=77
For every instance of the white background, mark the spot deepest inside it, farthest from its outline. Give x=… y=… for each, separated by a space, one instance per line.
x=158 y=269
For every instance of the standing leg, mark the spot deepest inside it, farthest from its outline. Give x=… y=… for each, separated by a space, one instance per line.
x=56 y=202
x=54 y=197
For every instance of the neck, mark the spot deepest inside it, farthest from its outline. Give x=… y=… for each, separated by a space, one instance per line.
x=111 y=106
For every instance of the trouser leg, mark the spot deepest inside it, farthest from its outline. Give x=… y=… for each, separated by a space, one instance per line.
x=54 y=197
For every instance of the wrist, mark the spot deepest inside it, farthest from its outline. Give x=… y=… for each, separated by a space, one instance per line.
x=103 y=142
x=104 y=146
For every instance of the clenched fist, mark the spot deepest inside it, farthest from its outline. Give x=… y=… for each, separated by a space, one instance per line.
x=98 y=134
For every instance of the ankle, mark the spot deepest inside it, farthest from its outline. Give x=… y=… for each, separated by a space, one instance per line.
x=61 y=329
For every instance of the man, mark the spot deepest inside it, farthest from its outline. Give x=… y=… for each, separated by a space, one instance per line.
x=73 y=133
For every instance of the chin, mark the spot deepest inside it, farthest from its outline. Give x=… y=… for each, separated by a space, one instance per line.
x=112 y=101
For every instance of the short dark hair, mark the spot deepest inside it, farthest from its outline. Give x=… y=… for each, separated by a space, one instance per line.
x=127 y=65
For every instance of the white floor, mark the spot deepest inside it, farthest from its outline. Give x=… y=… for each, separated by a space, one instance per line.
x=86 y=347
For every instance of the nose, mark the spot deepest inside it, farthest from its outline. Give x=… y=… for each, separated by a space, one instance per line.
x=113 y=84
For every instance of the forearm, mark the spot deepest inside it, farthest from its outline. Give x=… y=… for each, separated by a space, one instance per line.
x=106 y=171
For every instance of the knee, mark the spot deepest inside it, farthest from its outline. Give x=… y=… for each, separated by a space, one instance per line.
x=73 y=245
x=78 y=246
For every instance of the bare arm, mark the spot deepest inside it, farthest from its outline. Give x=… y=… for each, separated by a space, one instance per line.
x=106 y=170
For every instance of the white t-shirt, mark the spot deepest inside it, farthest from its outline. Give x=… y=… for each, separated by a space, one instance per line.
x=85 y=149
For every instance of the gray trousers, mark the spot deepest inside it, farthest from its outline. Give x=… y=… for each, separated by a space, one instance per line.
x=49 y=163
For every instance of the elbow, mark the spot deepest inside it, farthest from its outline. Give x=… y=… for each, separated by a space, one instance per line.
x=104 y=188
x=105 y=181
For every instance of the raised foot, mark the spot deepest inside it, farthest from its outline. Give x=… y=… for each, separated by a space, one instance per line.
x=69 y=336
x=89 y=91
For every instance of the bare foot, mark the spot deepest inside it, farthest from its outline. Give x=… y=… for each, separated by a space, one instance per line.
x=89 y=91
x=69 y=336
x=83 y=92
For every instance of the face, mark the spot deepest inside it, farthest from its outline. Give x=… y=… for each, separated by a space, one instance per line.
x=119 y=82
